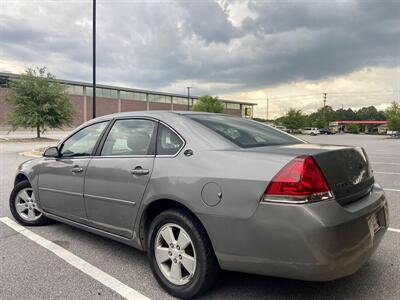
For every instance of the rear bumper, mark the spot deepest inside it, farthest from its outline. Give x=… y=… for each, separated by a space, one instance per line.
x=317 y=242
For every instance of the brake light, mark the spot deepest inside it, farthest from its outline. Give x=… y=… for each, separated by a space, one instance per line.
x=300 y=181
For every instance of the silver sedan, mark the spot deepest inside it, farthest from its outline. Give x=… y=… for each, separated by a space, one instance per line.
x=204 y=192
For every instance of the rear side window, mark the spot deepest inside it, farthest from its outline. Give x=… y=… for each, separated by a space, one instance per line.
x=168 y=143
x=244 y=133
x=130 y=137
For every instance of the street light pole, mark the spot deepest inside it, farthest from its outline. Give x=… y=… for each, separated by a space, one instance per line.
x=267 y=108
x=94 y=59
x=188 y=97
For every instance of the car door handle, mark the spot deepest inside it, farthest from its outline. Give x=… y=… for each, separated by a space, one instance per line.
x=77 y=170
x=140 y=171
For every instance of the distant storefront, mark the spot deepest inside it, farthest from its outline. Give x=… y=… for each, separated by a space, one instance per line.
x=366 y=126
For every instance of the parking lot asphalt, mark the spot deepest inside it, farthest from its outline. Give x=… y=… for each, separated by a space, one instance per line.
x=29 y=271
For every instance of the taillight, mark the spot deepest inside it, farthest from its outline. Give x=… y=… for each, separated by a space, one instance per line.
x=300 y=181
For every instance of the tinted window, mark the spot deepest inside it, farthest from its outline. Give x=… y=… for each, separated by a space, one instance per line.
x=168 y=143
x=83 y=142
x=129 y=137
x=244 y=133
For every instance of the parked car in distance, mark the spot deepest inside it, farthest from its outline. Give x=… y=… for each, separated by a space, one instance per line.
x=392 y=132
x=203 y=192
x=310 y=131
x=280 y=127
x=325 y=131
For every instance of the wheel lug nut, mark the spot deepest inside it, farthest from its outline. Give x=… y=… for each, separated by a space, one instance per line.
x=177 y=247
x=180 y=256
x=169 y=253
x=175 y=261
x=172 y=246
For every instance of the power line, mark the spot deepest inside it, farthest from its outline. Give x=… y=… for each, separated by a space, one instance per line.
x=336 y=96
x=334 y=93
x=368 y=92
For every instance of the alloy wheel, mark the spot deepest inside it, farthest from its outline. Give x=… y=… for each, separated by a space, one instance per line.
x=26 y=206
x=175 y=254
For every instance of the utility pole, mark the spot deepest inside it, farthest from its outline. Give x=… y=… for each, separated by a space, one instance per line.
x=188 y=94
x=325 y=94
x=94 y=59
x=267 y=108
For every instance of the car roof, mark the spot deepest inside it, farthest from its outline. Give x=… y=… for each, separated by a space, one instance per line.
x=152 y=113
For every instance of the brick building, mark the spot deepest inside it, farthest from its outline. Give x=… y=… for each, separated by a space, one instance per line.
x=112 y=99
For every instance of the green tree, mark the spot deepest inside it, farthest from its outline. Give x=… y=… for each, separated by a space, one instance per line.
x=317 y=118
x=344 y=115
x=353 y=128
x=209 y=104
x=370 y=113
x=294 y=119
x=320 y=122
x=393 y=116
x=39 y=101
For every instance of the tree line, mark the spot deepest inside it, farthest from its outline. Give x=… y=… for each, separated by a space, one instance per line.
x=295 y=119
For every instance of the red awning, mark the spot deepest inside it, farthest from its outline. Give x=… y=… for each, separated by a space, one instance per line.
x=362 y=122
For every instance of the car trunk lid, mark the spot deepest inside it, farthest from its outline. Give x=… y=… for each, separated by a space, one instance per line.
x=346 y=169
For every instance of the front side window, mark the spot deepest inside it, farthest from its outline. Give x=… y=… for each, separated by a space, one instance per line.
x=168 y=143
x=130 y=137
x=244 y=133
x=82 y=143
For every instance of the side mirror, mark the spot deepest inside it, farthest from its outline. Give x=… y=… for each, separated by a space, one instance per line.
x=52 y=152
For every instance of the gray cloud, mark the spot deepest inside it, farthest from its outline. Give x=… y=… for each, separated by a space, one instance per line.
x=157 y=44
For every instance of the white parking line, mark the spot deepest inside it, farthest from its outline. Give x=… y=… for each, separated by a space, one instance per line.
x=389 y=173
x=391 y=190
x=77 y=262
x=386 y=156
x=384 y=163
x=382 y=152
x=394 y=230
x=394 y=153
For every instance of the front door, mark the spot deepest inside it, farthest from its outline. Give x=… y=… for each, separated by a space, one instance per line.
x=117 y=178
x=61 y=180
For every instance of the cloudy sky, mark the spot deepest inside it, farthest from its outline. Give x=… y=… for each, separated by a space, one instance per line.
x=288 y=51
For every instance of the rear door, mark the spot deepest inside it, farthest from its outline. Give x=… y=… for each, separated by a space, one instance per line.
x=118 y=175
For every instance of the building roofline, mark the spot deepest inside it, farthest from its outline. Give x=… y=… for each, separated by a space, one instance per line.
x=113 y=87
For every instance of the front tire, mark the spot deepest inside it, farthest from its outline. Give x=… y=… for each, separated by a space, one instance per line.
x=180 y=253
x=23 y=205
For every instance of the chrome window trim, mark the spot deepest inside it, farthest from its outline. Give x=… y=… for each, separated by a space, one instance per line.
x=178 y=135
x=124 y=156
x=68 y=157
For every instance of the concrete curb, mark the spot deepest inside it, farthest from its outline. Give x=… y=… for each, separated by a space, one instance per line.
x=33 y=153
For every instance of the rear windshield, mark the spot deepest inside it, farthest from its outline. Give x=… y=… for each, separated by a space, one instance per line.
x=244 y=133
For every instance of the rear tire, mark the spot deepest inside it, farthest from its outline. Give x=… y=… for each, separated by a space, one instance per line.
x=188 y=240
x=23 y=206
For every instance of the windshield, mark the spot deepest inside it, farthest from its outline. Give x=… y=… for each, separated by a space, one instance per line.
x=244 y=133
